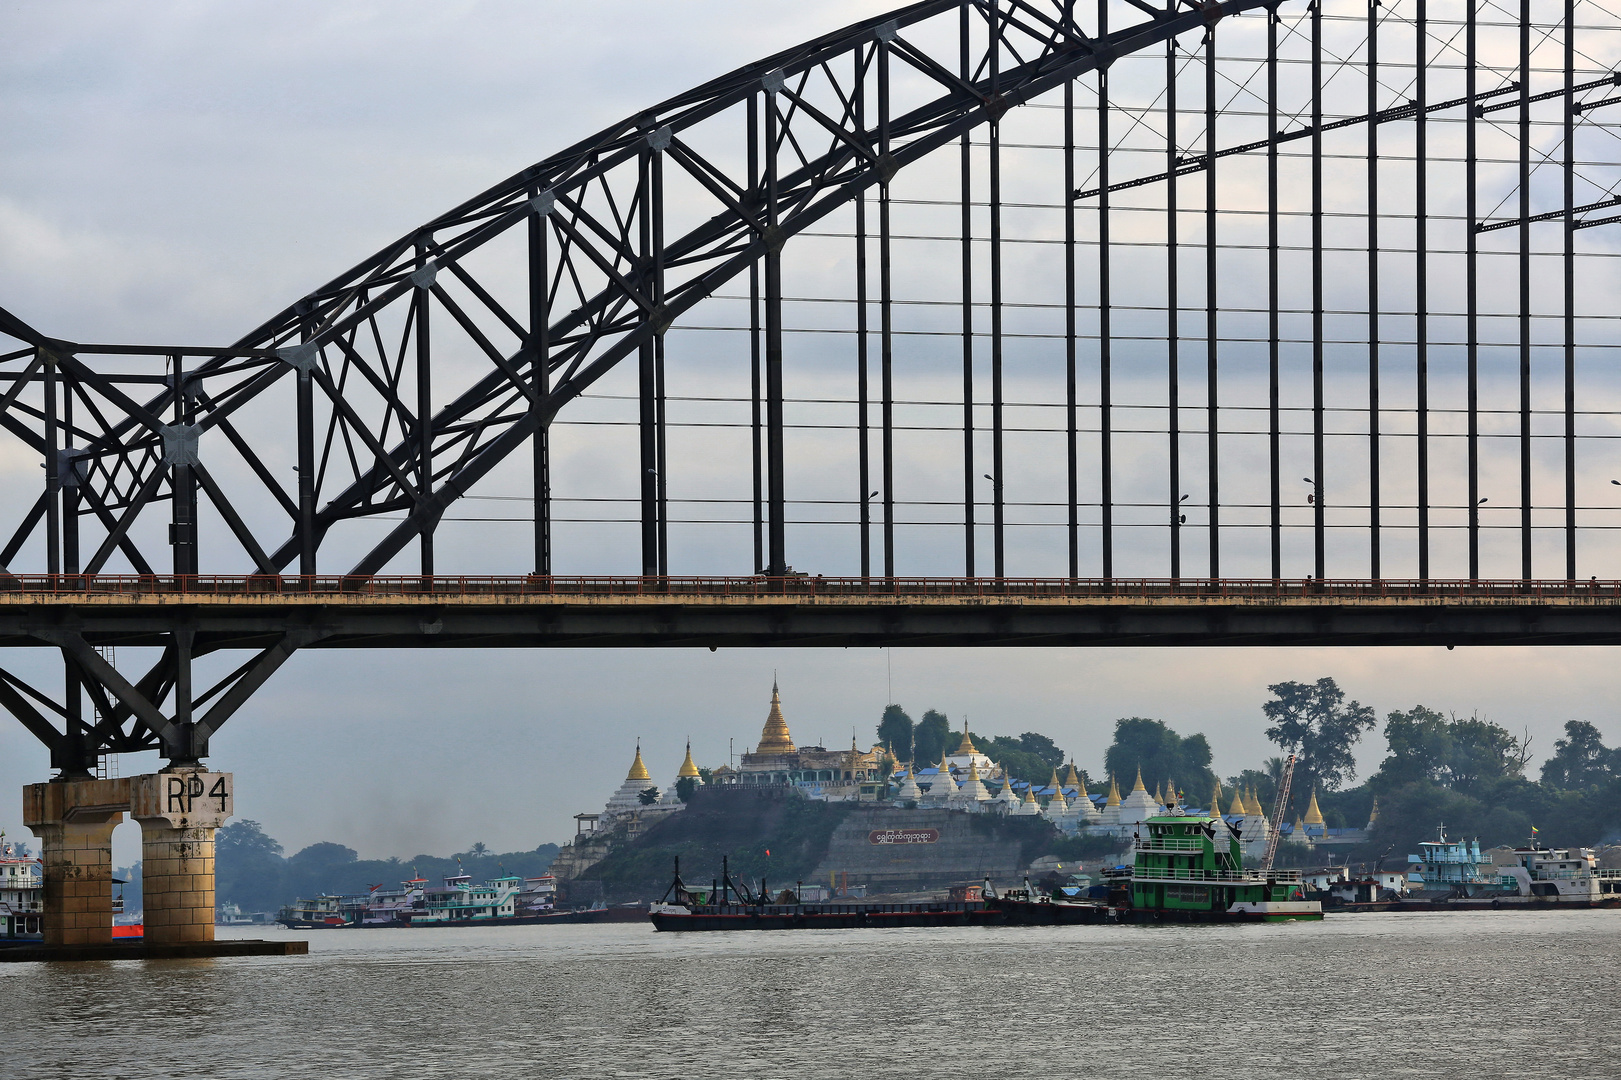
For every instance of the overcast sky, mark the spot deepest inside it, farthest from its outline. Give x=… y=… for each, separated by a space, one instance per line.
x=178 y=171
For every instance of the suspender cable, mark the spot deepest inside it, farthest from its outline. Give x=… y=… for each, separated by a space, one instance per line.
x=1421 y=284
x=1173 y=400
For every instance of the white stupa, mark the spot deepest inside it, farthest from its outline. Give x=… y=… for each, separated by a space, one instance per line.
x=973 y=790
x=942 y=789
x=1085 y=812
x=1057 y=810
x=909 y=792
x=1006 y=802
x=629 y=795
x=1109 y=818
x=1255 y=829
x=1138 y=806
x=1028 y=807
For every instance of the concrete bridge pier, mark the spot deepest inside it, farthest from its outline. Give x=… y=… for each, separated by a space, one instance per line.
x=74 y=821
x=178 y=809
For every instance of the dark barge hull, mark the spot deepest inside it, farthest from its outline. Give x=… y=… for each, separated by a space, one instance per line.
x=832 y=917
x=1051 y=913
x=1534 y=903
x=1181 y=915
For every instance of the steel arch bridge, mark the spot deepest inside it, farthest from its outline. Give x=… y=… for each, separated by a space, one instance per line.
x=1088 y=285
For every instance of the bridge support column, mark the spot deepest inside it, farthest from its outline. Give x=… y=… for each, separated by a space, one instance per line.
x=74 y=821
x=179 y=810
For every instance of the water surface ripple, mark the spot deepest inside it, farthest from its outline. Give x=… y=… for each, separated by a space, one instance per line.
x=1464 y=995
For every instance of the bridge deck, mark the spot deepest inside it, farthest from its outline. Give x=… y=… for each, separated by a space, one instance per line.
x=350 y=612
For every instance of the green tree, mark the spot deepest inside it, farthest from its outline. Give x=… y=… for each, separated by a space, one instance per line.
x=1580 y=759
x=1162 y=755
x=479 y=848
x=930 y=738
x=648 y=796
x=248 y=866
x=1483 y=752
x=685 y=787
x=1420 y=743
x=1042 y=747
x=1315 y=721
x=1451 y=752
x=895 y=732
x=1011 y=755
x=1413 y=812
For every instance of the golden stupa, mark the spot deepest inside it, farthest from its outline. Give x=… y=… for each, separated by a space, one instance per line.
x=774 y=738
x=687 y=767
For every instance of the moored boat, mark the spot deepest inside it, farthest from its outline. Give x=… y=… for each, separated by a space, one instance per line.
x=1453 y=875
x=501 y=901
x=1190 y=868
x=325 y=912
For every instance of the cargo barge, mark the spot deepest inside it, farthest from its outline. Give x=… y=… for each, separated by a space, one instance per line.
x=734 y=905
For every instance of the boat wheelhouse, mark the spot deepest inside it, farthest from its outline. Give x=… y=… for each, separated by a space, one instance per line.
x=1454 y=869
x=1561 y=875
x=1190 y=867
x=538 y=895
x=22 y=895
x=458 y=900
x=323 y=912
x=388 y=907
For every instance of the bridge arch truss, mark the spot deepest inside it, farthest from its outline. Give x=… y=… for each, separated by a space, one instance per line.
x=974 y=288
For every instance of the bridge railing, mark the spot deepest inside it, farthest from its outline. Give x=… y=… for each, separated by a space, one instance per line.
x=795 y=586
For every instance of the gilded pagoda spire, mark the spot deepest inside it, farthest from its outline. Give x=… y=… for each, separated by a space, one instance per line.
x=1314 y=816
x=638 y=771
x=1114 y=792
x=1237 y=806
x=687 y=767
x=774 y=738
x=1215 y=800
x=1139 y=785
x=1074 y=780
x=967 y=744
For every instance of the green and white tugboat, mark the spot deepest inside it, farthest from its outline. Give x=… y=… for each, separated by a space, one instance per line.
x=1190 y=868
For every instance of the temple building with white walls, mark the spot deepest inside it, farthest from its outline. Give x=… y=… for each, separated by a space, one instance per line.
x=968 y=756
x=835 y=775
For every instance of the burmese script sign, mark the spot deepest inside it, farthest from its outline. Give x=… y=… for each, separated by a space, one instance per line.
x=903 y=836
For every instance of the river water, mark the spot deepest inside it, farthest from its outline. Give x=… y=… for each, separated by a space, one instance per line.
x=1461 y=995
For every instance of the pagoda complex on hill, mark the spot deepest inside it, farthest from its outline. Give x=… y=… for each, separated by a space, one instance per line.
x=851 y=775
